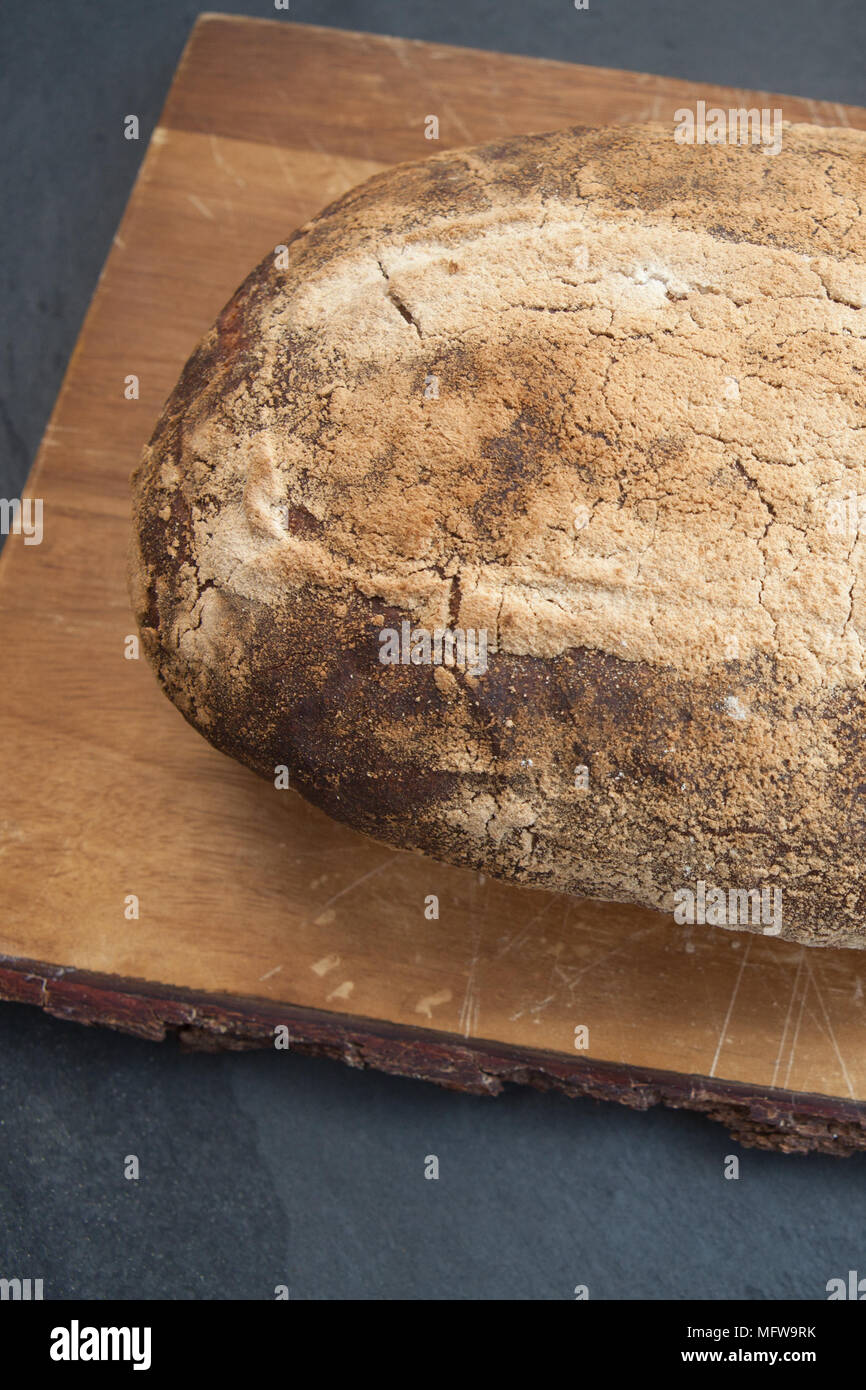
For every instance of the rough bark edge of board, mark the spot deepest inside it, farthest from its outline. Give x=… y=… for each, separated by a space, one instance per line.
x=784 y=1121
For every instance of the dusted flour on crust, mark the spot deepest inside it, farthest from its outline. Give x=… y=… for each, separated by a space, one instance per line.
x=601 y=396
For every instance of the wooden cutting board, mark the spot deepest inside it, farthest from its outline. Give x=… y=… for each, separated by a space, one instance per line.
x=254 y=909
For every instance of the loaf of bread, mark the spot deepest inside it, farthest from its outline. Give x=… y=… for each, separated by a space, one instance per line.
x=513 y=507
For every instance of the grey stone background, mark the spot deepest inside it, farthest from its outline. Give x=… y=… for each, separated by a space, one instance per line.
x=263 y=1169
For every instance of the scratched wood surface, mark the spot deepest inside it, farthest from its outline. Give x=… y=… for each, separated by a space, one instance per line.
x=245 y=892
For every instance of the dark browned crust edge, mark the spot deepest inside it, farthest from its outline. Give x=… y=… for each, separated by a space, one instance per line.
x=784 y=1121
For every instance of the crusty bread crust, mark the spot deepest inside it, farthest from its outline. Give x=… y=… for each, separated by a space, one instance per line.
x=598 y=394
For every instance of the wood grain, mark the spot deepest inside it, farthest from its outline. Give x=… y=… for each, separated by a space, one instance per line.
x=254 y=906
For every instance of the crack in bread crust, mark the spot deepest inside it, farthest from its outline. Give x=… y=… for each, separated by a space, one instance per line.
x=648 y=364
